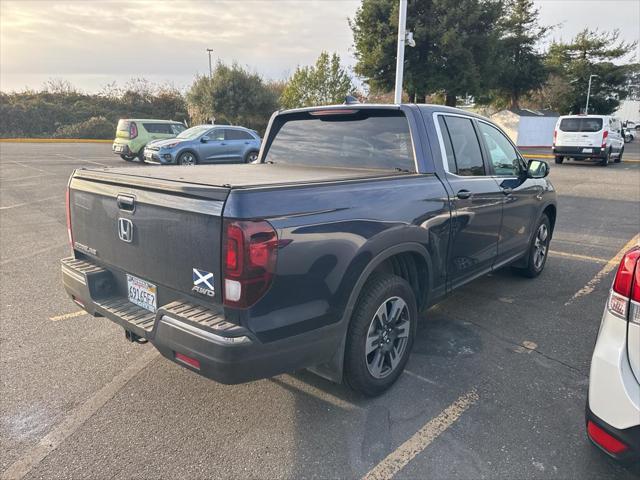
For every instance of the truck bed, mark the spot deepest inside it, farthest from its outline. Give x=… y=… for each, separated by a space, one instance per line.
x=229 y=176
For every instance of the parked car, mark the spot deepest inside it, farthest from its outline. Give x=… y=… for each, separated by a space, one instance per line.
x=588 y=137
x=629 y=135
x=613 y=406
x=321 y=254
x=132 y=135
x=206 y=144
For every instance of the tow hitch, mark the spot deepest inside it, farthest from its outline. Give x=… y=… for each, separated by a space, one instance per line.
x=132 y=337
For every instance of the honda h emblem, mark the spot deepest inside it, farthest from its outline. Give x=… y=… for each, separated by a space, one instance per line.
x=125 y=230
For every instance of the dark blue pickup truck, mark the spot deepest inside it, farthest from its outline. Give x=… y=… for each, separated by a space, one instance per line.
x=320 y=255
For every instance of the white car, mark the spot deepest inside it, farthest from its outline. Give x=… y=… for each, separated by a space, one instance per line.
x=588 y=137
x=613 y=406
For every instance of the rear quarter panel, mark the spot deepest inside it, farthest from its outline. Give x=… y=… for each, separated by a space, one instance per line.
x=331 y=233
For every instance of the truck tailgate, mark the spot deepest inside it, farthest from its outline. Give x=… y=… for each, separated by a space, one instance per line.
x=175 y=228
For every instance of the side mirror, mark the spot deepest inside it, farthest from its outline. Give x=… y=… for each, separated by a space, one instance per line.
x=537 y=169
x=204 y=139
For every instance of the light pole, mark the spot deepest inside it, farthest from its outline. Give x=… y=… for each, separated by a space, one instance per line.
x=586 y=108
x=210 y=51
x=402 y=37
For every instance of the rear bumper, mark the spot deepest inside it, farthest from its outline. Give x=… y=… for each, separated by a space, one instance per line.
x=628 y=436
x=579 y=153
x=121 y=149
x=224 y=351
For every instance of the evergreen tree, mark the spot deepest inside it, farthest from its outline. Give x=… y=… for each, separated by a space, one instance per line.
x=324 y=83
x=455 y=51
x=521 y=68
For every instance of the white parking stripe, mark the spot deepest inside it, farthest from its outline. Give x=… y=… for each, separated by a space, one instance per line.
x=399 y=458
x=608 y=268
x=23 y=204
x=80 y=159
x=76 y=419
x=578 y=257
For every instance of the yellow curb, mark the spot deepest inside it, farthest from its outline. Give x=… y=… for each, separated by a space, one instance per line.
x=537 y=155
x=54 y=140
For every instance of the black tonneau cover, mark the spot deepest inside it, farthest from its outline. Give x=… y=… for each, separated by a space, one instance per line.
x=204 y=179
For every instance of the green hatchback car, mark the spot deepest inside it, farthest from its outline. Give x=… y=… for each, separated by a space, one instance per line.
x=133 y=134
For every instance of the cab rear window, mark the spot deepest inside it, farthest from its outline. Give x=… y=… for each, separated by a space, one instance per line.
x=378 y=139
x=581 y=124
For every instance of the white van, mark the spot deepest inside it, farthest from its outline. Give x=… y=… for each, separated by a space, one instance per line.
x=588 y=137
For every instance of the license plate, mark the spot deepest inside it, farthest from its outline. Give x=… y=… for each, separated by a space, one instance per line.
x=587 y=150
x=142 y=293
x=117 y=148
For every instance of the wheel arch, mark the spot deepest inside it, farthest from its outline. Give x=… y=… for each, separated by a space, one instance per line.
x=393 y=259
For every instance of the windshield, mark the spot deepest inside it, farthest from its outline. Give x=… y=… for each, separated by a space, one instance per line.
x=194 y=132
x=584 y=124
x=356 y=139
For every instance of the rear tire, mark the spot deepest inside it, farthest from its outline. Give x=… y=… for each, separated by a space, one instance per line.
x=605 y=161
x=380 y=334
x=538 y=250
x=126 y=158
x=559 y=159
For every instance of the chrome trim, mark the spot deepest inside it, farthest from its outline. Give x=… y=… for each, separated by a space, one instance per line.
x=204 y=334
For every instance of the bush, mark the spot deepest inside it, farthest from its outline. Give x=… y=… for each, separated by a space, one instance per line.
x=95 y=127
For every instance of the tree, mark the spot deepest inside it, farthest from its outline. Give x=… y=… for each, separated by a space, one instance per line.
x=324 y=83
x=232 y=95
x=455 y=49
x=593 y=53
x=521 y=68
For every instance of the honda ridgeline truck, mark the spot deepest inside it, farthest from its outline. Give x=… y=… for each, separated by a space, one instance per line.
x=320 y=255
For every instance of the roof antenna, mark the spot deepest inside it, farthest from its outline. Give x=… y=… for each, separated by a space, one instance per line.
x=350 y=100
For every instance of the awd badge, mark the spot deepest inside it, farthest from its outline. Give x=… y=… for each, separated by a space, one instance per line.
x=203 y=282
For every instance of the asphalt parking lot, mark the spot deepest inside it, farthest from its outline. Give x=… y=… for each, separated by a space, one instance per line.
x=495 y=388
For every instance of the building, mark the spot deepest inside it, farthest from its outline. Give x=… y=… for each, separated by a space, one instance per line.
x=528 y=128
x=629 y=110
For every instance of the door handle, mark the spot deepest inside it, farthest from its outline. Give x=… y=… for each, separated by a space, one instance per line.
x=463 y=194
x=507 y=190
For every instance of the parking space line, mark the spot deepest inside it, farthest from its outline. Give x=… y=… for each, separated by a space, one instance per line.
x=608 y=268
x=400 y=457
x=29 y=166
x=30 y=203
x=578 y=257
x=419 y=377
x=67 y=316
x=76 y=419
x=81 y=159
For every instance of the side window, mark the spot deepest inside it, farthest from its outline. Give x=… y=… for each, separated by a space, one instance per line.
x=233 y=134
x=216 y=135
x=502 y=154
x=466 y=148
x=451 y=159
x=163 y=128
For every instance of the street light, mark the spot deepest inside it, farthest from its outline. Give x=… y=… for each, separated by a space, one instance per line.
x=404 y=38
x=210 y=51
x=586 y=108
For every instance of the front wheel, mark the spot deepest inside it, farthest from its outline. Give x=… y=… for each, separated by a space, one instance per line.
x=380 y=335
x=538 y=250
x=251 y=157
x=187 y=158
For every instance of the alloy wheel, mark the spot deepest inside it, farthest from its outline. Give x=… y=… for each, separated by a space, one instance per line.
x=187 y=159
x=387 y=337
x=540 y=246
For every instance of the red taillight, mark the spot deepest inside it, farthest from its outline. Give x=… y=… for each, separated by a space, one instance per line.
x=250 y=254
x=68 y=210
x=555 y=137
x=605 y=134
x=626 y=285
x=133 y=130
x=604 y=440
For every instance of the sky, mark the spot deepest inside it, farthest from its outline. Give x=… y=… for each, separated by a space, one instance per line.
x=92 y=43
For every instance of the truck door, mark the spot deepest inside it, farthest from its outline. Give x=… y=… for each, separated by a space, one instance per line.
x=477 y=201
x=521 y=195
